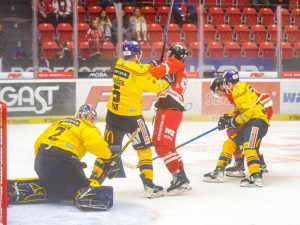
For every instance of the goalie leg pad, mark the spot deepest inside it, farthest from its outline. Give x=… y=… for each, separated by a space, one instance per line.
x=98 y=198
x=24 y=191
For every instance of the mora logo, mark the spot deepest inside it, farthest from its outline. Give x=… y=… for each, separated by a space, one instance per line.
x=291 y=97
x=101 y=94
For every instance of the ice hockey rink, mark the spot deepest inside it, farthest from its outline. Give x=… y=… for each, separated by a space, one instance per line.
x=276 y=203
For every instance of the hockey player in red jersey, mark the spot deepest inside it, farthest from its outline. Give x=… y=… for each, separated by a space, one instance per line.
x=218 y=90
x=170 y=107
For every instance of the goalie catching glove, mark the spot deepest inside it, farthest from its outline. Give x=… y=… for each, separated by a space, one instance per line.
x=226 y=121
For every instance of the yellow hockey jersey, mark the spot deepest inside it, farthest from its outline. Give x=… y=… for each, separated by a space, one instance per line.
x=75 y=135
x=130 y=80
x=248 y=104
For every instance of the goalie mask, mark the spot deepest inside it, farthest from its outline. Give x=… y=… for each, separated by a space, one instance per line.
x=181 y=53
x=132 y=48
x=87 y=112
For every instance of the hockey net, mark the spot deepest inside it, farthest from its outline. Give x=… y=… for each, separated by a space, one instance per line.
x=3 y=163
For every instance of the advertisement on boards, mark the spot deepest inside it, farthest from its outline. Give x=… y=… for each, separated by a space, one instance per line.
x=290 y=97
x=214 y=105
x=34 y=99
x=16 y=75
x=54 y=75
x=291 y=74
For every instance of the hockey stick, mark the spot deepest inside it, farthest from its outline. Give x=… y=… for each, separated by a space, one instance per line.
x=130 y=166
x=165 y=35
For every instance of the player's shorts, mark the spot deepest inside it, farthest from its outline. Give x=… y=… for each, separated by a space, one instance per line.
x=252 y=133
x=117 y=126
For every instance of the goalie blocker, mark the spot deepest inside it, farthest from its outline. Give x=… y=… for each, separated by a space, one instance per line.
x=30 y=190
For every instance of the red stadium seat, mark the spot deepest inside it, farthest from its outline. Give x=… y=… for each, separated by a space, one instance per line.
x=46 y=31
x=296 y=16
x=111 y=12
x=210 y=3
x=50 y=50
x=267 y=16
x=129 y=10
x=297 y=49
x=250 y=16
x=242 y=3
x=93 y=12
x=194 y=49
x=149 y=13
x=217 y=15
x=147 y=50
x=234 y=16
x=287 y=50
x=157 y=49
x=174 y=32
x=268 y=50
x=226 y=3
x=64 y=32
x=272 y=30
x=108 y=50
x=155 y=32
x=225 y=32
x=215 y=50
x=209 y=33
x=190 y=32
x=70 y=45
x=159 y=3
x=85 y=50
x=163 y=13
x=81 y=14
x=250 y=50
x=89 y=3
x=242 y=33
x=82 y=30
x=233 y=50
x=285 y=16
x=259 y=33
x=293 y=4
x=292 y=32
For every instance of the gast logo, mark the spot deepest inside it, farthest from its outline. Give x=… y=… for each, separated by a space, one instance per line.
x=27 y=98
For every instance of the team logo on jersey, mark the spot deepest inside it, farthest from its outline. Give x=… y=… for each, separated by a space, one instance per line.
x=72 y=121
x=121 y=73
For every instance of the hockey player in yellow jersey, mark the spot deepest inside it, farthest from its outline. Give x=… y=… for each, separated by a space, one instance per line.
x=124 y=114
x=59 y=150
x=254 y=117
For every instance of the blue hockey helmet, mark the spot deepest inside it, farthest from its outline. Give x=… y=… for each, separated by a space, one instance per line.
x=230 y=76
x=131 y=48
x=87 y=112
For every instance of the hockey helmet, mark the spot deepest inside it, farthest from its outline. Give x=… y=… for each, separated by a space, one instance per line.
x=230 y=76
x=131 y=48
x=215 y=85
x=181 y=53
x=87 y=112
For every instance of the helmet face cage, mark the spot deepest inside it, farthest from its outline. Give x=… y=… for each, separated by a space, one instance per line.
x=181 y=53
x=230 y=76
x=87 y=112
x=215 y=85
x=131 y=48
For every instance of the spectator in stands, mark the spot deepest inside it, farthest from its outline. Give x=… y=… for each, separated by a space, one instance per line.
x=138 y=24
x=126 y=32
x=2 y=42
x=64 y=51
x=20 y=52
x=45 y=12
x=185 y=12
x=62 y=8
x=257 y=4
x=105 y=25
x=95 y=36
x=282 y=3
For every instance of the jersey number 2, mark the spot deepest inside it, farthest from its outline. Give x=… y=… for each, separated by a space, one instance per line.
x=60 y=131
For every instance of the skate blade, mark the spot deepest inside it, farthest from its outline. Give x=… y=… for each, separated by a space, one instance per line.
x=254 y=185
x=235 y=173
x=93 y=204
x=181 y=189
x=211 y=180
x=151 y=194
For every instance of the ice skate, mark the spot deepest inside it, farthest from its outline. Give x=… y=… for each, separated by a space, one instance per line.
x=151 y=189
x=216 y=176
x=238 y=170
x=179 y=184
x=263 y=165
x=255 y=180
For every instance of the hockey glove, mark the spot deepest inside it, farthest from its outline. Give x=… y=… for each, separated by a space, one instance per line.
x=222 y=122
x=156 y=62
x=170 y=78
x=231 y=123
x=111 y=171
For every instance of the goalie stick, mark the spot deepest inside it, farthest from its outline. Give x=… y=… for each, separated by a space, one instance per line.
x=131 y=166
x=165 y=35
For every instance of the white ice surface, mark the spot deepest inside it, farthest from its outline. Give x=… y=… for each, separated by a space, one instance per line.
x=277 y=203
